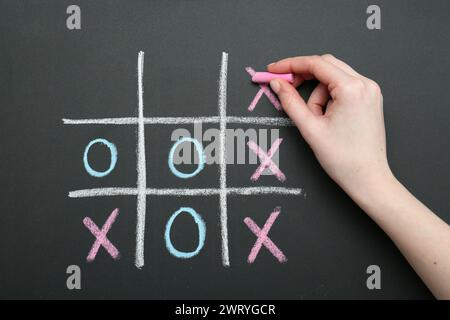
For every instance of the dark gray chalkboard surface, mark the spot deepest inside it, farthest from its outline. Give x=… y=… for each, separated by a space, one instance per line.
x=49 y=73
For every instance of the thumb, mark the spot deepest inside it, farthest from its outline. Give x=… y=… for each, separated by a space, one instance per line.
x=293 y=104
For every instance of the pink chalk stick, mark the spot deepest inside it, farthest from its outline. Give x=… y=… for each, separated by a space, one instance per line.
x=264 y=89
x=266 y=77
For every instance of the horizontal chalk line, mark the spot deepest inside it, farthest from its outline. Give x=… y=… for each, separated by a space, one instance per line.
x=108 y=192
x=275 y=121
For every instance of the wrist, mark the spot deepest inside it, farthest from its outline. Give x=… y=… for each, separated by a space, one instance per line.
x=373 y=188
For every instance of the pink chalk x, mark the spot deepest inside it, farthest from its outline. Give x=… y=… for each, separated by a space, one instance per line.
x=100 y=235
x=263 y=238
x=266 y=160
x=266 y=77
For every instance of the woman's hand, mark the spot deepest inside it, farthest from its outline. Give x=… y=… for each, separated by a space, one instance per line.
x=342 y=120
x=343 y=123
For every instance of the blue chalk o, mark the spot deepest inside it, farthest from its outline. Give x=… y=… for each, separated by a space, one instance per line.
x=201 y=234
x=112 y=149
x=201 y=157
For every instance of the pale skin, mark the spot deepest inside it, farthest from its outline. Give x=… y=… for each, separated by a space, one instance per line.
x=343 y=123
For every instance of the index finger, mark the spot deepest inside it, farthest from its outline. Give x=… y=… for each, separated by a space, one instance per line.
x=322 y=70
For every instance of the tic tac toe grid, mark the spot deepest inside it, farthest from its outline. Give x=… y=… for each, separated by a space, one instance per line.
x=141 y=191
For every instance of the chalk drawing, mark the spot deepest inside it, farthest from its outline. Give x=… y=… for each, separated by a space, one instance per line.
x=268 y=121
x=141 y=169
x=263 y=238
x=222 y=102
x=141 y=191
x=113 y=160
x=266 y=160
x=201 y=158
x=201 y=233
x=100 y=235
x=245 y=191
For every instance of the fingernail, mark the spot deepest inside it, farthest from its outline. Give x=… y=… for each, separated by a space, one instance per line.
x=271 y=64
x=275 y=85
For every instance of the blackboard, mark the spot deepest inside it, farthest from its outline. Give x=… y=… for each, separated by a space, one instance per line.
x=50 y=73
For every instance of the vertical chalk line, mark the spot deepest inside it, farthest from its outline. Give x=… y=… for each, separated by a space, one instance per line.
x=141 y=170
x=222 y=102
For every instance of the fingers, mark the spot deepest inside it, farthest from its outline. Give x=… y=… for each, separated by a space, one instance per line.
x=323 y=70
x=298 y=80
x=318 y=99
x=292 y=103
x=341 y=64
